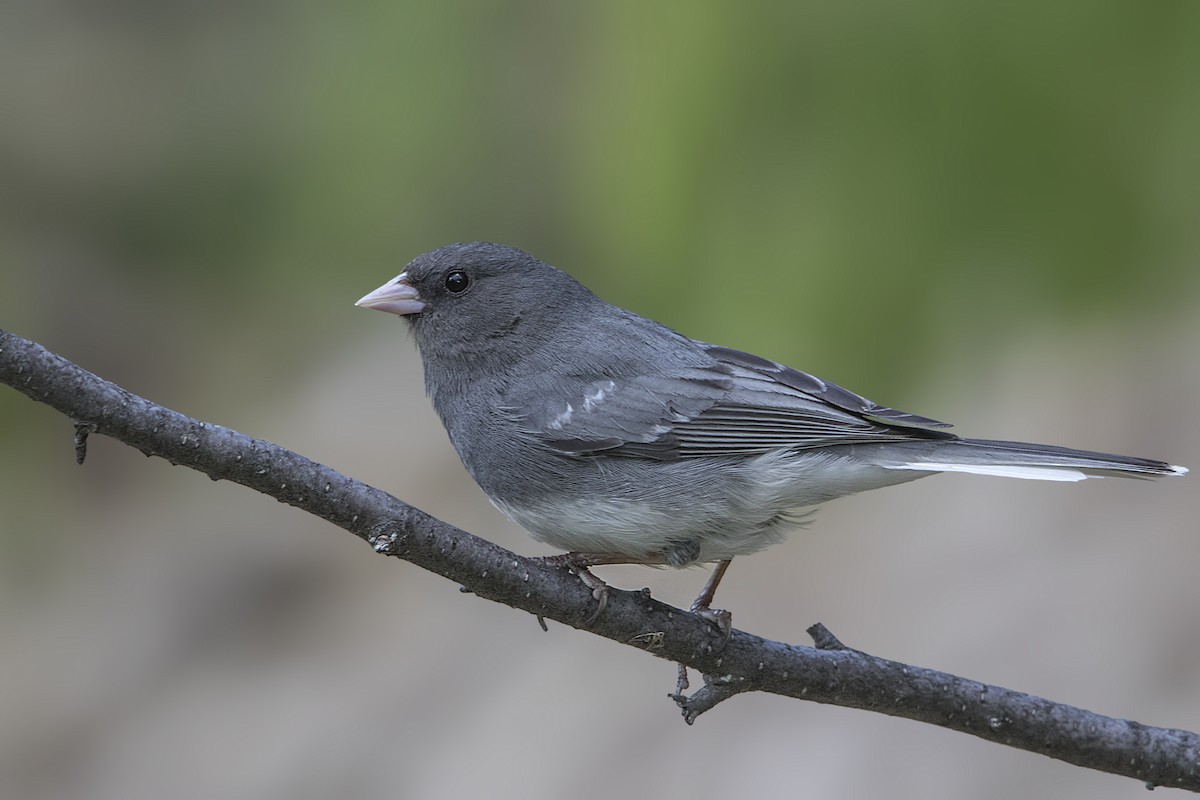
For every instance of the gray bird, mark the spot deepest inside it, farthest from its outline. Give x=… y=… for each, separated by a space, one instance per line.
x=619 y=440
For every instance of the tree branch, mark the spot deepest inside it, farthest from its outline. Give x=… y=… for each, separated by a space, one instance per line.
x=828 y=673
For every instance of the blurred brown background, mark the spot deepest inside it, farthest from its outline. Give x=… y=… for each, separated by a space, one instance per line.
x=986 y=214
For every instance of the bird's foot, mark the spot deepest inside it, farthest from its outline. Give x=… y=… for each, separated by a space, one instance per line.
x=723 y=621
x=577 y=564
x=681 y=682
x=599 y=592
x=719 y=617
x=702 y=607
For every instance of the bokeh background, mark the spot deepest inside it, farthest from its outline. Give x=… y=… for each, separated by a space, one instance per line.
x=986 y=213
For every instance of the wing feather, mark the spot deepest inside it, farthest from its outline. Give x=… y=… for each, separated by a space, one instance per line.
x=735 y=404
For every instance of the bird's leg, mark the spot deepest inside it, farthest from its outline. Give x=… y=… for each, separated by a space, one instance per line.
x=578 y=564
x=719 y=617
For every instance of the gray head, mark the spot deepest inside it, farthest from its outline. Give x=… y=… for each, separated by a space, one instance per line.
x=467 y=301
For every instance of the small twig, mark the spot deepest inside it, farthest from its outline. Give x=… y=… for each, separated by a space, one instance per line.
x=714 y=691
x=82 y=429
x=824 y=639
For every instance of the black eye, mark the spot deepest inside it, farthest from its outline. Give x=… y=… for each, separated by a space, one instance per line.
x=457 y=282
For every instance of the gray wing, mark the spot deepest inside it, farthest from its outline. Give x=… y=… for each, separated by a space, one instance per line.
x=736 y=404
x=772 y=406
x=620 y=414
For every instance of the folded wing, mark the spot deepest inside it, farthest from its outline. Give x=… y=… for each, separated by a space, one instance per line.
x=729 y=403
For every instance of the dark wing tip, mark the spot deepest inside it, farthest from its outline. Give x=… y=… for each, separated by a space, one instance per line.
x=824 y=390
x=577 y=447
x=891 y=416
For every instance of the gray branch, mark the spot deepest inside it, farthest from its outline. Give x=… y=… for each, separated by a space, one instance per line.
x=828 y=673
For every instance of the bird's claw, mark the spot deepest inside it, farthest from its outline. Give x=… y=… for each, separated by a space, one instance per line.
x=719 y=617
x=600 y=595
x=681 y=682
x=577 y=565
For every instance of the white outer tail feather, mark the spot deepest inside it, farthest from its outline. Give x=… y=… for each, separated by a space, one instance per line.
x=1000 y=470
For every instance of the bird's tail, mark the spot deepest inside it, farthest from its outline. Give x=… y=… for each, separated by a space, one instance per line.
x=1021 y=460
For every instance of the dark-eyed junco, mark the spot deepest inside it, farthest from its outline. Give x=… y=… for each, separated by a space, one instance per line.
x=613 y=437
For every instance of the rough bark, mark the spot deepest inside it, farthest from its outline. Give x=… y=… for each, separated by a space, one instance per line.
x=828 y=673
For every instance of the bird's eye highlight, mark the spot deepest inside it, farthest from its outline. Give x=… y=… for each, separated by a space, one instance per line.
x=457 y=282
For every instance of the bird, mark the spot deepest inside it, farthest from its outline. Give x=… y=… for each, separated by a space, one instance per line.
x=621 y=441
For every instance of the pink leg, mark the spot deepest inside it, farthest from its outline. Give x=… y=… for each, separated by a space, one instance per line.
x=722 y=619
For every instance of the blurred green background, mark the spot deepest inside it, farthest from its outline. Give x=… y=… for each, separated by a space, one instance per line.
x=981 y=212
